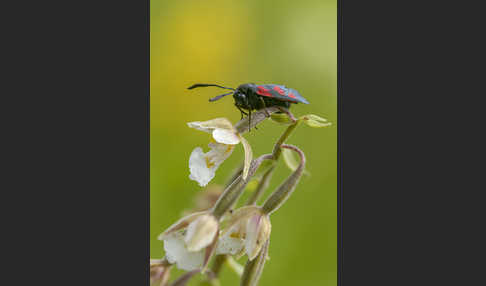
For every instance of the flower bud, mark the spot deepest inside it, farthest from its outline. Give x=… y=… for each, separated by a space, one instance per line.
x=315 y=121
x=281 y=118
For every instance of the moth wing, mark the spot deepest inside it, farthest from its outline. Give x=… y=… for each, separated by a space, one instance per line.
x=280 y=92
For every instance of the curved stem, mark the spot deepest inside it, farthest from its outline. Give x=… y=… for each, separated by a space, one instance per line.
x=263 y=184
x=283 y=192
x=234 y=191
x=276 y=149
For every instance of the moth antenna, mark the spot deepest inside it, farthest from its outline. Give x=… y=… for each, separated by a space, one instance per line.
x=209 y=84
x=219 y=96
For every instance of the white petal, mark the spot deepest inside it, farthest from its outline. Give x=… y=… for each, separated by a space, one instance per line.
x=180 y=224
x=225 y=136
x=203 y=166
x=232 y=240
x=237 y=221
x=208 y=126
x=257 y=232
x=229 y=245
x=199 y=126
x=248 y=157
x=219 y=153
x=201 y=232
x=199 y=169
x=252 y=235
x=176 y=252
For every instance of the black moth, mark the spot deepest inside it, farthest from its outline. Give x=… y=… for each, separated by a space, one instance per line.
x=250 y=96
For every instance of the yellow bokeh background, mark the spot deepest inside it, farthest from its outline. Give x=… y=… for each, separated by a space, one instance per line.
x=293 y=43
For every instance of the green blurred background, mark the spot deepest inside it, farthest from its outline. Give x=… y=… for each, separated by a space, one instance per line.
x=293 y=43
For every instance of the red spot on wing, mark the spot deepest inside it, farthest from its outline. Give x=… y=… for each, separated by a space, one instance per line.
x=279 y=90
x=292 y=95
x=263 y=91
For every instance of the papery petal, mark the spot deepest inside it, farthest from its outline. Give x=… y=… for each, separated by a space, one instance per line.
x=232 y=240
x=248 y=157
x=203 y=166
x=208 y=126
x=252 y=235
x=220 y=123
x=201 y=232
x=229 y=245
x=218 y=153
x=197 y=125
x=257 y=233
x=224 y=136
x=239 y=216
x=183 y=222
x=198 y=166
x=177 y=253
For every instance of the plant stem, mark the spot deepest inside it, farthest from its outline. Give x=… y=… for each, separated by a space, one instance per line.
x=276 y=149
x=219 y=261
x=235 y=175
x=253 y=268
x=235 y=189
x=283 y=192
x=184 y=279
x=262 y=185
x=160 y=262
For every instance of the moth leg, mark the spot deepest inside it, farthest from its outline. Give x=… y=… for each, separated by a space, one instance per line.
x=249 y=113
x=242 y=112
x=255 y=126
x=265 y=107
x=286 y=111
